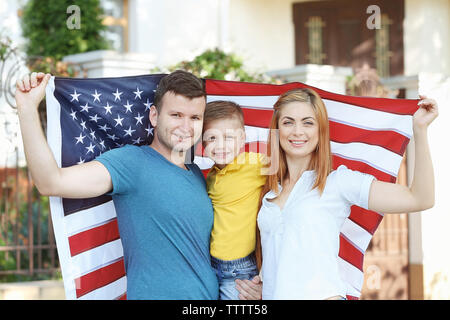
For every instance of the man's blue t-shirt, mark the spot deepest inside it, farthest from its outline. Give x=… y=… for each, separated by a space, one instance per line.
x=165 y=218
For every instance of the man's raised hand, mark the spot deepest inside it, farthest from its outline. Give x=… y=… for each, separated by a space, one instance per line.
x=30 y=90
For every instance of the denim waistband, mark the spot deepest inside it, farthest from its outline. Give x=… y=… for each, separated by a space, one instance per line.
x=239 y=263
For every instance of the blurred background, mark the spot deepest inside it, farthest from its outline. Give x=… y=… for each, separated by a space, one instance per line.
x=380 y=48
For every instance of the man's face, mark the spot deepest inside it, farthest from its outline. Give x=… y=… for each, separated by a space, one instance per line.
x=179 y=123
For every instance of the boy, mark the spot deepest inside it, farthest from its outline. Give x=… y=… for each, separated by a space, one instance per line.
x=234 y=185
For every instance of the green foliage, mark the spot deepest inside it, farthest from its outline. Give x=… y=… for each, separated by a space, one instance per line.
x=44 y=24
x=216 y=64
x=5 y=47
x=15 y=232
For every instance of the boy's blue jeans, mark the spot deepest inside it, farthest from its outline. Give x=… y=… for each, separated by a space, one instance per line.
x=228 y=271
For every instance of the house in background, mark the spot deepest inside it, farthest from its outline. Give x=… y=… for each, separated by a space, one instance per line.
x=321 y=43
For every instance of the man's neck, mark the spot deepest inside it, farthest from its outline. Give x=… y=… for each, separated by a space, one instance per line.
x=177 y=158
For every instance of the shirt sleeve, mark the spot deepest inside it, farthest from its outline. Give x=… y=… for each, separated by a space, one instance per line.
x=354 y=186
x=119 y=163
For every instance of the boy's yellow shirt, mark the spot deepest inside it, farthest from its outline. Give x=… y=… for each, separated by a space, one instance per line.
x=235 y=191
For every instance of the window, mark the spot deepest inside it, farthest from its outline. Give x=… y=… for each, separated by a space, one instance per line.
x=116 y=18
x=335 y=33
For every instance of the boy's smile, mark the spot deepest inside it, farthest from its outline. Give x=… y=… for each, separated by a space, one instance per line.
x=223 y=140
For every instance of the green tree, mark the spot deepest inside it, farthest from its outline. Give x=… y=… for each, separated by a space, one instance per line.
x=44 y=24
x=216 y=64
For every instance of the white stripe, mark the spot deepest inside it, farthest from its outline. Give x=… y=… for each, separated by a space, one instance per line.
x=54 y=141
x=375 y=156
x=338 y=111
x=89 y=218
x=357 y=235
x=265 y=102
x=253 y=134
x=91 y=260
x=352 y=276
x=109 y=292
x=368 y=118
x=203 y=162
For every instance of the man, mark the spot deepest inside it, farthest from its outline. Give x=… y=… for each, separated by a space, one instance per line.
x=163 y=211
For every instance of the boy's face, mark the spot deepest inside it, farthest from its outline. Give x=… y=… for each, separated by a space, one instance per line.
x=222 y=140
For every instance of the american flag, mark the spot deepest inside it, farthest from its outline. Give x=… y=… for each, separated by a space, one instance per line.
x=89 y=116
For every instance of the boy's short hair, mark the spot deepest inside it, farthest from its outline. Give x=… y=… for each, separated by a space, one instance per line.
x=179 y=82
x=220 y=109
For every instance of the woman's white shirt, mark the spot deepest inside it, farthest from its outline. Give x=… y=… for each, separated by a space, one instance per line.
x=300 y=243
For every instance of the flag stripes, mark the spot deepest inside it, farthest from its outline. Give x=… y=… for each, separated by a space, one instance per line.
x=99 y=278
x=94 y=237
x=234 y=88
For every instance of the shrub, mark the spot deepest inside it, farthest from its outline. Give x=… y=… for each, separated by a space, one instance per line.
x=216 y=64
x=44 y=24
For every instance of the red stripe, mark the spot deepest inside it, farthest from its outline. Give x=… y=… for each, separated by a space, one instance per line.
x=123 y=297
x=362 y=167
x=94 y=237
x=352 y=298
x=257 y=117
x=349 y=253
x=99 y=278
x=205 y=172
x=235 y=88
x=366 y=219
x=389 y=140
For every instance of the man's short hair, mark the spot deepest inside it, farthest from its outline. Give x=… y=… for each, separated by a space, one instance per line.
x=220 y=109
x=179 y=82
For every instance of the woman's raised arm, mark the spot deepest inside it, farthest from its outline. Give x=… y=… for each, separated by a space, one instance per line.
x=393 y=198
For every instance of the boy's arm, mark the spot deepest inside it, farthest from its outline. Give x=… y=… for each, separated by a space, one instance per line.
x=79 y=181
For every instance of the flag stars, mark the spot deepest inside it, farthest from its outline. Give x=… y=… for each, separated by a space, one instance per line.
x=137 y=93
x=74 y=117
x=129 y=132
x=118 y=121
x=137 y=141
x=81 y=161
x=90 y=148
x=94 y=118
x=112 y=137
x=92 y=133
x=83 y=124
x=80 y=138
x=117 y=95
x=104 y=127
x=96 y=96
x=147 y=105
x=102 y=144
x=75 y=95
x=149 y=130
x=107 y=108
x=139 y=118
x=128 y=107
x=85 y=108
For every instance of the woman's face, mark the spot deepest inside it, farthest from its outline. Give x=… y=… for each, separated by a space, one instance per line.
x=299 y=129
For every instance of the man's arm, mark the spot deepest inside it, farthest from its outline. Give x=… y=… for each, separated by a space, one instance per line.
x=80 y=181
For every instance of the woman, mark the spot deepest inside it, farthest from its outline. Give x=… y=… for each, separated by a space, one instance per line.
x=305 y=202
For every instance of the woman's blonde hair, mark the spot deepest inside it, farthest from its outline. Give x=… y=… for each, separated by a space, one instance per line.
x=321 y=160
